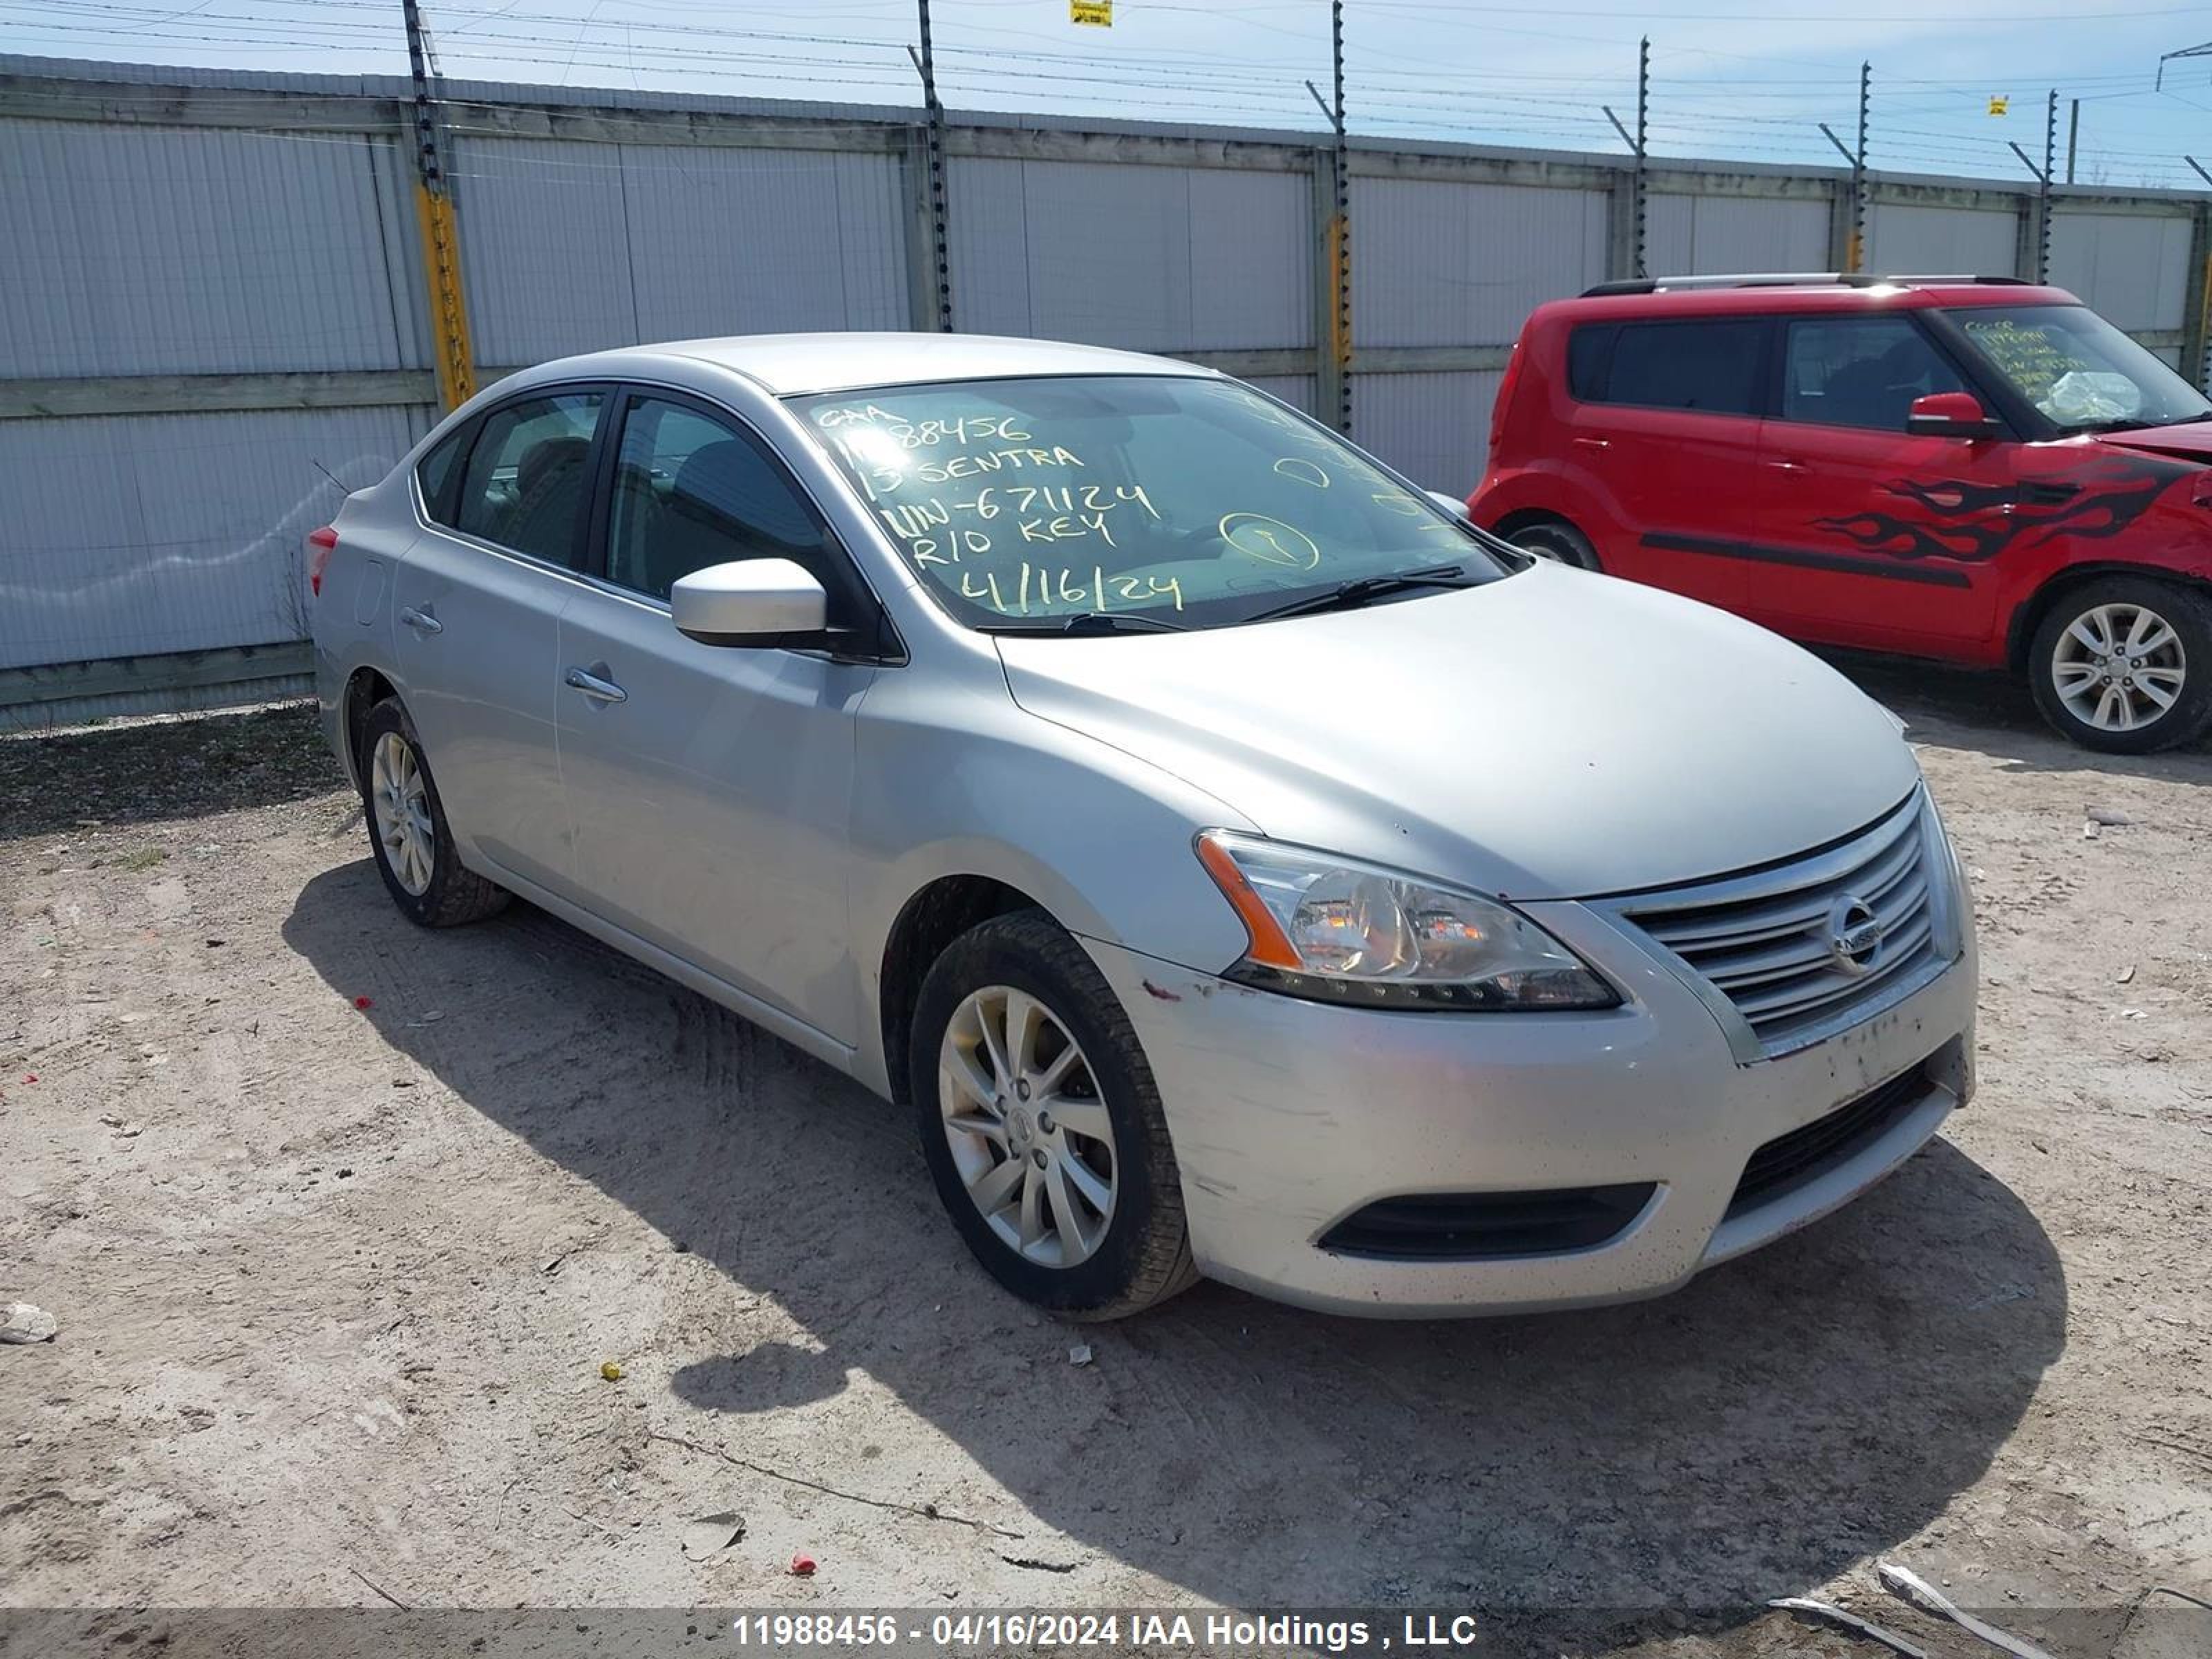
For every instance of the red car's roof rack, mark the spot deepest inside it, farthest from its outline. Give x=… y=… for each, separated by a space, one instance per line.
x=1788 y=279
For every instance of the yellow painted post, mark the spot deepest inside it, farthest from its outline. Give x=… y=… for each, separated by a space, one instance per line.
x=442 y=237
x=449 y=312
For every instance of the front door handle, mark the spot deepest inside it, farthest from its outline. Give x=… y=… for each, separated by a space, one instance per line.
x=592 y=686
x=421 y=621
x=1594 y=443
x=1789 y=466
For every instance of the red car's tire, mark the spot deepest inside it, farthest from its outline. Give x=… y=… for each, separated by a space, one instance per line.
x=1557 y=540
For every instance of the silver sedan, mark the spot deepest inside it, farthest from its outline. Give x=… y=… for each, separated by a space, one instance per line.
x=1242 y=866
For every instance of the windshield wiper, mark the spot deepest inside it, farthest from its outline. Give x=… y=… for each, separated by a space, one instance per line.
x=1350 y=596
x=2132 y=425
x=1090 y=621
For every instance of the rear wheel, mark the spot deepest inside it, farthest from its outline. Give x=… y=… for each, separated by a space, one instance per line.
x=2124 y=663
x=1557 y=540
x=1041 y=1124
x=407 y=828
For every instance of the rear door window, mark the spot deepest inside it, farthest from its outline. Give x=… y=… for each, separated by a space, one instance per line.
x=1859 y=371
x=1710 y=367
x=528 y=477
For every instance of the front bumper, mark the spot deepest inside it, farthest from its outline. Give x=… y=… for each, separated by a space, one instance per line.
x=1288 y=1116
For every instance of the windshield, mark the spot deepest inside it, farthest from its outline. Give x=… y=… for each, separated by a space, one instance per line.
x=1177 y=502
x=2078 y=369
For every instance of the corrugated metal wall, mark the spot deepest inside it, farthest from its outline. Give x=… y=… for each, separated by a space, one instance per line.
x=267 y=229
x=1445 y=263
x=1905 y=237
x=159 y=251
x=127 y=535
x=1146 y=257
x=2136 y=264
x=1704 y=233
x=1432 y=427
x=571 y=247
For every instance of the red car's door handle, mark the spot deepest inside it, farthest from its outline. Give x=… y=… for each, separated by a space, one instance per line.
x=1594 y=443
x=1789 y=466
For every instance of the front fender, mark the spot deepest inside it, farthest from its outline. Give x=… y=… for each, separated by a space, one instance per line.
x=2171 y=539
x=1098 y=837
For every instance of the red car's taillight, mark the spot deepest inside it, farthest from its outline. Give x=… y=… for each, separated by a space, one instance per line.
x=321 y=543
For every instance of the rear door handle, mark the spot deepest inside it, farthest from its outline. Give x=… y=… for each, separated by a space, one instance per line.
x=421 y=621
x=592 y=686
x=1789 y=466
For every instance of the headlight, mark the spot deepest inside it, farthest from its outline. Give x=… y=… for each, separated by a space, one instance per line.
x=1339 y=931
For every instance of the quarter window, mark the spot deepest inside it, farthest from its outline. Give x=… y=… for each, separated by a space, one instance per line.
x=691 y=492
x=1710 y=367
x=527 y=477
x=1860 y=371
x=435 y=476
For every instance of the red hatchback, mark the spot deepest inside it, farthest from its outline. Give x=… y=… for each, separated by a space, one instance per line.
x=1971 y=468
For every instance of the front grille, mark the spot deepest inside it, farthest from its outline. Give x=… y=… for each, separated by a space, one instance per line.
x=1487 y=1226
x=1764 y=941
x=1790 y=1160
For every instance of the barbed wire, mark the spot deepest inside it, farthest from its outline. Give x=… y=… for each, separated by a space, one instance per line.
x=1769 y=107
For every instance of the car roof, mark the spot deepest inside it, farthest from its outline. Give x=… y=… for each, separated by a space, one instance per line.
x=1768 y=296
x=785 y=364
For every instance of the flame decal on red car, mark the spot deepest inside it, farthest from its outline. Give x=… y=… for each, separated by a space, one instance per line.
x=2102 y=499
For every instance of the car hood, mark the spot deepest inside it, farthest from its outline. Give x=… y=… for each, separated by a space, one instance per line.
x=1555 y=734
x=2192 y=442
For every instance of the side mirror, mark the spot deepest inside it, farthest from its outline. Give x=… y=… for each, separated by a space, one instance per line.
x=1450 y=503
x=755 y=602
x=1950 y=414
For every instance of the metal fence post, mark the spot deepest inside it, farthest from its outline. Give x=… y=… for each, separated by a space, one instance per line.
x=1626 y=256
x=1333 y=215
x=939 y=246
x=2050 y=170
x=1859 y=173
x=921 y=237
x=1332 y=391
x=2031 y=258
x=440 y=231
x=1642 y=150
x=2196 y=308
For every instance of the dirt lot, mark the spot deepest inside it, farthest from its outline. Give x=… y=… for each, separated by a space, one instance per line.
x=341 y=1220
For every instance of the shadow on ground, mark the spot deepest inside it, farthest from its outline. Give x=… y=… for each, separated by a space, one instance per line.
x=155 y=771
x=1993 y=714
x=1753 y=1435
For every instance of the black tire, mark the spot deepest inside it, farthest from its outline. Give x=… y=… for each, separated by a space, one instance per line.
x=454 y=893
x=1557 y=540
x=1143 y=1257
x=2186 y=610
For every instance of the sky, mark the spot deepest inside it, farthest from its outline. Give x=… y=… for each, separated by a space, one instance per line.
x=1730 y=79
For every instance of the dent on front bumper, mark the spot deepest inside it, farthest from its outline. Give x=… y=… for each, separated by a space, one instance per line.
x=1288 y=1116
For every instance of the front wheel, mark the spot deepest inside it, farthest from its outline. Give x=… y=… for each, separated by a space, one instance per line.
x=1041 y=1124
x=2123 y=664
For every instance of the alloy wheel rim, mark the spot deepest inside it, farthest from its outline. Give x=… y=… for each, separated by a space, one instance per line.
x=401 y=800
x=2119 y=667
x=1029 y=1131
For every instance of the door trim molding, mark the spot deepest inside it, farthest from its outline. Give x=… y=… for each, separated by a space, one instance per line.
x=1804 y=559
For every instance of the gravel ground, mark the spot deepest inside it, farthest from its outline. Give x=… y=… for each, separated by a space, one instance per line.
x=342 y=1220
